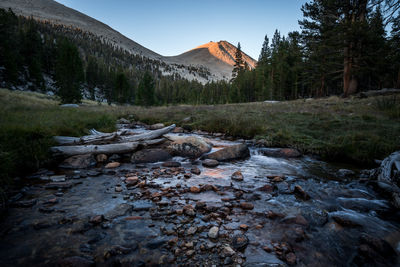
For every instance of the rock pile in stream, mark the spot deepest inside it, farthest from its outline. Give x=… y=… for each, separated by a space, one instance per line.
x=146 y=209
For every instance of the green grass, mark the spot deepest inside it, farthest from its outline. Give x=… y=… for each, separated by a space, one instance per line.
x=348 y=130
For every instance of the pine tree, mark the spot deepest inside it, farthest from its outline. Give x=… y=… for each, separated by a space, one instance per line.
x=69 y=73
x=239 y=65
x=145 y=91
x=121 y=89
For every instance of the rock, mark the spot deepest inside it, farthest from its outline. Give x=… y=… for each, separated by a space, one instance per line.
x=194 y=189
x=75 y=261
x=156 y=126
x=96 y=219
x=101 y=158
x=178 y=130
x=362 y=204
x=237 y=176
x=57 y=178
x=210 y=163
x=118 y=189
x=79 y=162
x=112 y=165
x=171 y=164
x=131 y=181
x=190 y=253
x=244 y=227
x=282 y=153
x=123 y=121
x=315 y=216
x=379 y=245
x=24 y=203
x=246 y=206
x=213 y=232
x=346 y=173
x=298 y=219
x=227 y=251
x=195 y=170
x=346 y=219
x=277 y=179
x=290 y=258
x=189 y=210
x=266 y=188
x=192 y=230
x=150 y=156
x=119 y=210
x=191 y=147
x=187 y=175
x=240 y=242
x=300 y=193
x=240 y=151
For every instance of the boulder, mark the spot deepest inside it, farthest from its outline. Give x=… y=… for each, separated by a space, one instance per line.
x=240 y=151
x=101 y=158
x=150 y=155
x=191 y=147
x=79 y=162
x=156 y=126
x=237 y=176
x=210 y=163
x=282 y=153
x=112 y=165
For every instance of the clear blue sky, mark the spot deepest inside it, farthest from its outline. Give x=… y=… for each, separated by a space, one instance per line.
x=171 y=27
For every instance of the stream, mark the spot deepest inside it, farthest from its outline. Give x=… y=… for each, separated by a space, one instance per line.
x=297 y=211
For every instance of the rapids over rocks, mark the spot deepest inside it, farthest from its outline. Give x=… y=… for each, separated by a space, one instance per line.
x=260 y=211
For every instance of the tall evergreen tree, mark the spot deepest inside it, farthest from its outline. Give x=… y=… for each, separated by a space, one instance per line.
x=239 y=65
x=69 y=73
x=145 y=91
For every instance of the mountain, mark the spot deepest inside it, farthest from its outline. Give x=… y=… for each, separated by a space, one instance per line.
x=219 y=57
x=209 y=62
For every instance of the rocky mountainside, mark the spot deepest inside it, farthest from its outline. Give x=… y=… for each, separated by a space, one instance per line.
x=209 y=62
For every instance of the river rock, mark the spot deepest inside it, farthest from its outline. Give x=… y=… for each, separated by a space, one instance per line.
x=191 y=147
x=210 y=163
x=237 y=176
x=246 y=206
x=213 y=232
x=156 y=126
x=346 y=219
x=240 y=242
x=227 y=251
x=150 y=155
x=194 y=189
x=239 y=151
x=300 y=193
x=79 y=162
x=282 y=153
x=75 y=261
x=119 y=210
x=112 y=165
x=171 y=164
x=195 y=170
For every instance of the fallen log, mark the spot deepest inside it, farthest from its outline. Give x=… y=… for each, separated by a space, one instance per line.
x=97 y=138
x=389 y=177
x=118 y=148
x=382 y=92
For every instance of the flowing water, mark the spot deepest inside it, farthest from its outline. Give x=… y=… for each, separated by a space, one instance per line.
x=344 y=223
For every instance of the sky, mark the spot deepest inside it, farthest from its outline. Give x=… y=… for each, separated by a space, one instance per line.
x=172 y=27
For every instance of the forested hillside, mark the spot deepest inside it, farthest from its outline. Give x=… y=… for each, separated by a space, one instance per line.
x=342 y=49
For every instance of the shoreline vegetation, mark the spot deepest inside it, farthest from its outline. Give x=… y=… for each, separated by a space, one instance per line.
x=351 y=130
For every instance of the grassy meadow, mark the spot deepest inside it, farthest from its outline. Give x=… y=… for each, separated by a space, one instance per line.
x=348 y=130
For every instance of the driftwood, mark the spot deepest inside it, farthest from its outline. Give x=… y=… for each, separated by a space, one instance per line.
x=382 y=92
x=122 y=136
x=117 y=148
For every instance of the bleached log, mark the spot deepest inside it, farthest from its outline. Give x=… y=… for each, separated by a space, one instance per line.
x=98 y=138
x=118 y=148
x=387 y=166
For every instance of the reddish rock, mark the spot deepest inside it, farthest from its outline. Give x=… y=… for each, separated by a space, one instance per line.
x=131 y=181
x=244 y=227
x=266 y=188
x=112 y=165
x=187 y=175
x=133 y=218
x=246 y=206
x=97 y=219
x=300 y=193
x=237 y=175
x=195 y=170
x=194 y=189
x=101 y=158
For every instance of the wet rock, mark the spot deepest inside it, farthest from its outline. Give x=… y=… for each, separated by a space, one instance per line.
x=57 y=178
x=79 y=162
x=195 y=170
x=116 y=250
x=61 y=185
x=157 y=243
x=290 y=258
x=210 y=163
x=237 y=176
x=378 y=244
x=227 y=251
x=246 y=206
x=240 y=151
x=228 y=261
x=298 y=219
x=24 y=204
x=268 y=188
x=115 y=157
x=362 y=204
x=118 y=189
x=244 y=227
x=98 y=237
x=93 y=173
x=240 y=242
x=96 y=219
x=187 y=175
x=150 y=155
x=112 y=165
x=346 y=173
x=282 y=153
x=213 y=232
x=171 y=164
x=156 y=126
x=194 y=189
x=315 y=216
x=200 y=205
x=346 y=219
x=142 y=205
x=190 y=253
x=131 y=181
x=101 y=158
x=300 y=193
x=276 y=179
x=191 y=147
x=189 y=210
x=75 y=261
x=118 y=211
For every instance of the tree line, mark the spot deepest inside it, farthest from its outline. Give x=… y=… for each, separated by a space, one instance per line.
x=343 y=48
